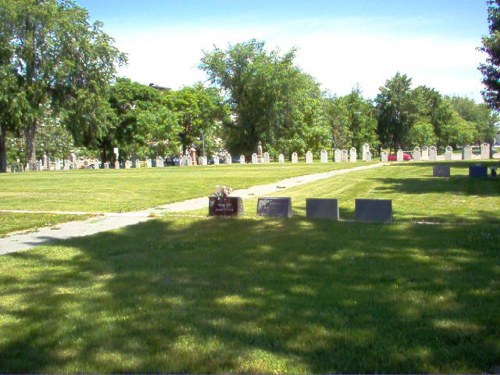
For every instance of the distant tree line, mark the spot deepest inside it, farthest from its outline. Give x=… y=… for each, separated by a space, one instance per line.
x=59 y=93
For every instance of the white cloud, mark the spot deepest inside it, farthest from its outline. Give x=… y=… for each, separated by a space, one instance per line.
x=337 y=57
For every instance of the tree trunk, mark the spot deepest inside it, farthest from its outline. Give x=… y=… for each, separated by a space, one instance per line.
x=31 y=146
x=3 y=152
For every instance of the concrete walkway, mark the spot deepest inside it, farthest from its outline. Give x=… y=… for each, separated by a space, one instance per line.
x=111 y=221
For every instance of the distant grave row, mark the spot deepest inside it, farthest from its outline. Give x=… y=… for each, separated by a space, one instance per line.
x=475 y=171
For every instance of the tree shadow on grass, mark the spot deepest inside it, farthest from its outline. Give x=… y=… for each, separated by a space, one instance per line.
x=255 y=295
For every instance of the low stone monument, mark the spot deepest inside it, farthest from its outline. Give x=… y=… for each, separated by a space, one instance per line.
x=338 y=155
x=433 y=153
x=202 y=160
x=267 y=158
x=368 y=156
x=441 y=171
x=117 y=164
x=467 y=153
x=254 y=158
x=227 y=206
x=228 y=160
x=295 y=158
x=366 y=149
x=416 y=154
x=400 y=156
x=345 y=156
x=478 y=171
x=485 y=151
x=242 y=159
x=448 y=154
x=353 y=155
x=384 y=157
x=216 y=160
x=425 y=153
x=324 y=156
x=106 y=165
x=374 y=210
x=159 y=162
x=274 y=207
x=309 y=157
x=322 y=208
x=281 y=159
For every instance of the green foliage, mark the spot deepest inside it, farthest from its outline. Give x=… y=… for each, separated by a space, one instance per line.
x=491 y=46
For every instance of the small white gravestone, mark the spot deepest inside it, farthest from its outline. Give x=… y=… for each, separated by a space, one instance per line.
x=106 y=165
x=416 y=154
x=309 y=157
x=57 y=165
x=159 y=162
x=433 y=153
x=242 y=159
x=366 y=148
x=66 y=165
x=202 y=160
x=400 y=155
x=324 y=156
x=228 y=159
x=216 y=160
x=267 y=158
x=368 y=156
x=448 y=154
x=117 y=164
x=295 y=158
x=189 y=160
x=149 y=163
x=485 y=151
x=137 y=163
x=281 y=159
x=345 y=156
x=254 y=158
x=353 y=155
x=384 y=156
x=338 y=155
x=467 y=153
x=128 y=164
x=425 y=153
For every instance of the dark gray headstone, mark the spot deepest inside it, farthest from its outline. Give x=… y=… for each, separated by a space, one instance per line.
x=441 y=171
x=318 y=208
x=230 y=206
x=274 y=207
x=374 y=210
x=480 y=171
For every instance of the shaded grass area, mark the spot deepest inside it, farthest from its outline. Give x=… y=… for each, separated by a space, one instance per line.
x=13 y=222
x=255 y=295
x=135 y=189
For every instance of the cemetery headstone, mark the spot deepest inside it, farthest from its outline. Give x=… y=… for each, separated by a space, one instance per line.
x=448 y=154
x=149 y=163
x=368 y=156
x=202 y=160
x=433 y=153
x=159 y=162
x=417 y=154
x=345 y=156
x=324 y=156
x=242 y=159
x=57 y=165
x=254 y=158
x=338 y=156
x=216 y=160
x=400 y=155
x=281 y=159
x=441 y=171
x=189 y=162
x=374 y=210
x=366 y=148
x=73 y=161
x=128 y=164
x=485 y=151
x=117 y=164
x=467 y=153
x=106 y=165
x=309 y=157
x=295 y=158
x=228 y=160
x=267 y=158
x=384 y=156
x=137 y=163
x=353 y=155
x=478 y=171
x=274 y=207
x=425 y=153
x=322 y=208
x=260 y=158
x=229 y=206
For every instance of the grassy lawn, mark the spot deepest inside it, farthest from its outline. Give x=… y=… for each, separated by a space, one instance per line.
x=135 y=189
x=195 y=294
x=12 y=222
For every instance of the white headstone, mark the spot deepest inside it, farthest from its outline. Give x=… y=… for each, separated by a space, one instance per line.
x=425 y=153
x=228 y=159
x=57 y=165
x=384 y=156
x=366 y=148
x=345 y=156
x=254 y=158
x=338 y=155
x=137 y=163
x=400 y=155
x=128 y=164
x=368 y=156
x=353 y=155
x=117 y=164
x=448 y=154
x=242 y=159
x=281 y=159
x=324 y=156
x=159 y=162
x=106 y=165
x=295 y=158
x=216 y=160
x=267 y=158
x=416 y=154
x=433 y=153
x=149 y=163
x=467 y=153
x=189 y=161
x=309 y=157
x=202 y=160
x=485 y=151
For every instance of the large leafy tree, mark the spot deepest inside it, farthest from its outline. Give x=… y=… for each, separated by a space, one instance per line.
x=491 y=46
x=271 y=99
x=63 y=65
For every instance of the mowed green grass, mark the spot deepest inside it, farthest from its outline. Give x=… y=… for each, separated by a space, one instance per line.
x=196 y=294
x=135 y=189
x=13 y=222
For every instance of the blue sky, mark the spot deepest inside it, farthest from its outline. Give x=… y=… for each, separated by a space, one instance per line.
x=340 y=43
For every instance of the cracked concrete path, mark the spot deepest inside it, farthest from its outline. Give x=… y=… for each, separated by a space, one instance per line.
x=110 y=221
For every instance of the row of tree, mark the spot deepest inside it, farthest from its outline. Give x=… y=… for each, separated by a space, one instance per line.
x=58 y=90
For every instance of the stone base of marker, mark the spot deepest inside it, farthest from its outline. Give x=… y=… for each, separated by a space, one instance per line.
x=274 y=207
x=478 y=171
x=374 y=210
x=322 y=208
x=441 y=171
x=230 y=206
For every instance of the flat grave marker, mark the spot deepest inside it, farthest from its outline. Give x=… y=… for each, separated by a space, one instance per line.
x=322 y=208
x=374 y=210
x=274 y=207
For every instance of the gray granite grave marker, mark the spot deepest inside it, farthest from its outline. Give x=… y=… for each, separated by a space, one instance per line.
x=374 y=210
x=274 y=207
x=322 y=208
x=441 y=171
